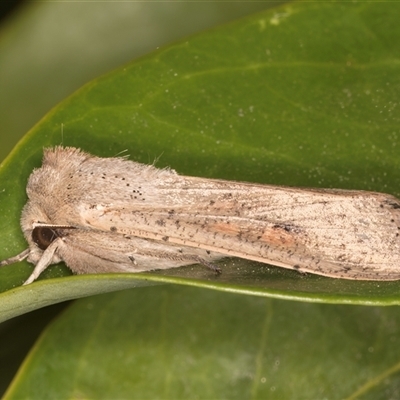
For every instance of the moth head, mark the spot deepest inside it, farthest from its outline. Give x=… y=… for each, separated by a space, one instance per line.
x=38 y=232
x=43 y=235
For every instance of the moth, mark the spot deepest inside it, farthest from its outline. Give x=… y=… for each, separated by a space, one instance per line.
x=114 y=215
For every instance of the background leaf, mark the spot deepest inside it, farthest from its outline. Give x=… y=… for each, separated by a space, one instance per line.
x=182 y=343
x=51 y=48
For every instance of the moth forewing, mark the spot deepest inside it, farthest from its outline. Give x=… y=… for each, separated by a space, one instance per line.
x=348 y=234
x=111 y=214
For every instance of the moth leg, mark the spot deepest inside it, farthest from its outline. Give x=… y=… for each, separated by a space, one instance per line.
x=207 y=264
x=44 y=262
x=15 y=259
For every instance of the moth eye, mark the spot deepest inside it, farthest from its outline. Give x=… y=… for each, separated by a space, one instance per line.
x=43 y=236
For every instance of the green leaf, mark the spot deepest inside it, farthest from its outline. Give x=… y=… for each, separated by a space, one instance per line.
x=302 y=95
x=182 y=343
x=51 y=48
